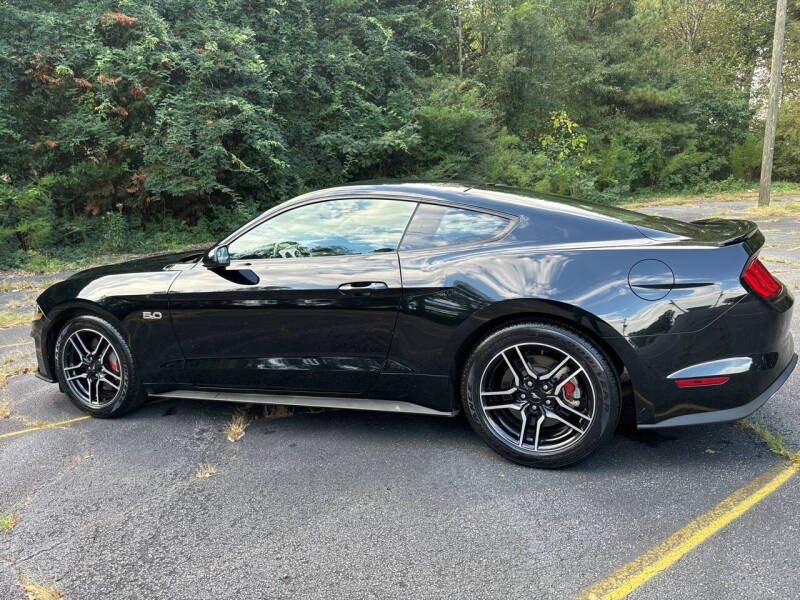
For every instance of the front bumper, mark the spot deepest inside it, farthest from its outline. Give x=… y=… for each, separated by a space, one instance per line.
x=39 y=330
x=728 y=414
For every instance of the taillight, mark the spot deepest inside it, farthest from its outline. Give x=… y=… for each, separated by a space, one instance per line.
x=759 y=280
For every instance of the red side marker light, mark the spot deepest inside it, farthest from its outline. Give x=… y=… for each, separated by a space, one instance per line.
x=700 y=381
x=760 y=280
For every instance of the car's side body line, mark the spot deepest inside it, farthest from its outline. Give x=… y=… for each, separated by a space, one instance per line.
x=396 y=406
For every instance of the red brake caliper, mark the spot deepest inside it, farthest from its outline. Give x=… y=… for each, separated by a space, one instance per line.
x=115 y=366
x=569 y=388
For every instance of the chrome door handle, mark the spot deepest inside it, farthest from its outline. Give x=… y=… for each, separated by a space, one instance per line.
x=363 y=286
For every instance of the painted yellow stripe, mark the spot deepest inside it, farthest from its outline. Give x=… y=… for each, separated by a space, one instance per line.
x=629 y=577
x=22 y=343
x=45 y=426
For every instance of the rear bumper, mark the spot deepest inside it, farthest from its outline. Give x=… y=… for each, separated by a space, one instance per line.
x=728 y=414
x=750 y=344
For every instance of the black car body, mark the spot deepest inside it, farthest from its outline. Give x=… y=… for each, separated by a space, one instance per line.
x=664 y=300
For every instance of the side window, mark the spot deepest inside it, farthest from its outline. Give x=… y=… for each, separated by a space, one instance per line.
x=330 y=228
x=434 y=226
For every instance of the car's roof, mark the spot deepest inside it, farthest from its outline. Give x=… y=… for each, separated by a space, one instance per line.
x=567 y=219
x=498 y=198
x=556 y=209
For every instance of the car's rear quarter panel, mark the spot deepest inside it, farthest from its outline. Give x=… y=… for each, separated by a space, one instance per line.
x=451 y=294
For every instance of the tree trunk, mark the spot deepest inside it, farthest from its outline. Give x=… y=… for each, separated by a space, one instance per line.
x=774 y=104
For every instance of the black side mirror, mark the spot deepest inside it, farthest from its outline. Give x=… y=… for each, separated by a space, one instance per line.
x=217 y=258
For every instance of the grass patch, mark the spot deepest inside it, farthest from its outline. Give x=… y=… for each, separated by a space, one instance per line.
x=26 y=285
x=10 y=318
x=8 y=522
x=775 y=442
x=33 y=422
x=39 y=591
x=205 y=471
x=775 y=209
x=8 y=368
x=686 y=200
x=725 y=190
x=749 y=194
x=781 y=261
x=5 y=410
x=239 y=422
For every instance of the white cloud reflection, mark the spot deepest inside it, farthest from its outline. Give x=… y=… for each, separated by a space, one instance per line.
x=326 y=228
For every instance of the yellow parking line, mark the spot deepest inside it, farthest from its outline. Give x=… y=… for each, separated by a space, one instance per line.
x=627 y=578
x=22 y=343
x=45 y=426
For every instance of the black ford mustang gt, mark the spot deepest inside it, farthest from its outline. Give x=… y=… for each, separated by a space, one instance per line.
x=524 y=309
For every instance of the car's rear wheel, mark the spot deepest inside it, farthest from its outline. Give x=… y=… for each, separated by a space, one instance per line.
x=541 y=394
x=95 y=367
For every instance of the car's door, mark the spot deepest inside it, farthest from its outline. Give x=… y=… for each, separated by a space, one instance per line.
x=308 y=303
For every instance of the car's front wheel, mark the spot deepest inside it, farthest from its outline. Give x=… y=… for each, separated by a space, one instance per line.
x=95 y=367
x=541 y=394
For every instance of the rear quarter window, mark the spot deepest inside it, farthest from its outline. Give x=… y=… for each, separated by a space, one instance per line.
x=435 y=226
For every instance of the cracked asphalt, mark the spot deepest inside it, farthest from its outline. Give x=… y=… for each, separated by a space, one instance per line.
x=339 y=504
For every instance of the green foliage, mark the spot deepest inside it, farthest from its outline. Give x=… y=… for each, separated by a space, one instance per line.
x=455 y=132
x=745 y=157
x=563 y=140
x=787 y=149
x=115 y=233
x=26 y=216
x=139 y=124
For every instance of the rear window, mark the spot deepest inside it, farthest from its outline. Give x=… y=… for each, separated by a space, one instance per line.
x=435 y=226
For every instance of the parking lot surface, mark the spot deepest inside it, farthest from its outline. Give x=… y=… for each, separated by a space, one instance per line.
x=340 y=504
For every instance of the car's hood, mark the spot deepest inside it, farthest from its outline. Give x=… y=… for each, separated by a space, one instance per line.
x=161 y=262
x=143 y=275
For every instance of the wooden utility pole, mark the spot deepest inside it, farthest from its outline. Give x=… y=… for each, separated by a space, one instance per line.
x=461 y=43
x=774 y=104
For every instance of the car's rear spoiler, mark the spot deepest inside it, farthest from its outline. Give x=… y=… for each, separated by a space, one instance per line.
x=725 y=232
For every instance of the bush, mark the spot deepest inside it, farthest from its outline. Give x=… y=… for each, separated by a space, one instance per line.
x=26 y=216
x=787 y=150
x=745 y=158
x=116 y=236
x=455 y=131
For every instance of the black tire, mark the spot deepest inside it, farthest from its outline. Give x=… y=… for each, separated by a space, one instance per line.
x=598 y=377
x=110 y=402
